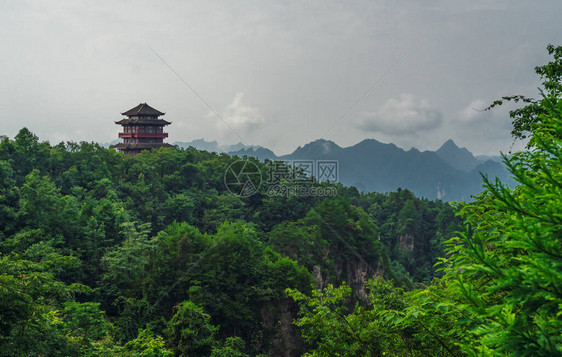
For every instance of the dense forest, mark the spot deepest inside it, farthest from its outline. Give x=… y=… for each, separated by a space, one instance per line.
x=151 y=255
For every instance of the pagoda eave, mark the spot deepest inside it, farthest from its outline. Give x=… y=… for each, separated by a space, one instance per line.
x=155 y=122
x=143 y=135
x=141 y=146
x=143 y=109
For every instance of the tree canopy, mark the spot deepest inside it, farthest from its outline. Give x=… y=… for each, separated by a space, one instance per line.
x=151 y=255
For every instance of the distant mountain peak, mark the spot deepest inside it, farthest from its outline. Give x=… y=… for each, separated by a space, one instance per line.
x=317 y=147
x=322 y=142
x=374 y=143
x=327 y=145
x=459 y=158
x=449 y=144
x=369 y=141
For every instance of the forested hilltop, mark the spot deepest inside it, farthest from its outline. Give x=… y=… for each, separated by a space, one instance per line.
x=152 y=255
x=97 y=246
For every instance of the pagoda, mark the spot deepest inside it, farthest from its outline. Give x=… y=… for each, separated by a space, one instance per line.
x=142 y=130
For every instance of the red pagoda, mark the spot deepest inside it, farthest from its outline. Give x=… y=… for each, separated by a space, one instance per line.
x=142 y=130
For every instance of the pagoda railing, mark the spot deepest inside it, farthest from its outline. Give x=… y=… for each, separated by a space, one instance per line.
x=143 y=135
x=134 y=129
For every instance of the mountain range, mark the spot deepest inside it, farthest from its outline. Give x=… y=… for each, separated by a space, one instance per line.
x=213 y=146
x=449 y=173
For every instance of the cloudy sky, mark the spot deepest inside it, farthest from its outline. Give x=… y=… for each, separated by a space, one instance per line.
x=279 y=73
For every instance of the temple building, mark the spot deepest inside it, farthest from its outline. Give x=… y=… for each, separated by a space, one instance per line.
x=142 y=130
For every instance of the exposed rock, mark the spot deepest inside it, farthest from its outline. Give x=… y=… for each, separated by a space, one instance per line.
x=356 y=272
x=285 y=339
x=407 y=242
x=317 y=272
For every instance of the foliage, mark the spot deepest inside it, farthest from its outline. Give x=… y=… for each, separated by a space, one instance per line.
x=98 y=249
x=147 y=344
x=391 y=322
x=37 y=313
x=124 y=240
x=508 y=263
x=233 y=347
x=189 y=331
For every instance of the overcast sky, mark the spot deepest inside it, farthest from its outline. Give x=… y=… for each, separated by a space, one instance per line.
x=281 y=74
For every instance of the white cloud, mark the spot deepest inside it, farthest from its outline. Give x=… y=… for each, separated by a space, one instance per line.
x=404 y=115
x=475 y=111
x=240 y=117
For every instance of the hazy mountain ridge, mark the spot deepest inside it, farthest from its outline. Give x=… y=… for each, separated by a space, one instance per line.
x=496 y=158
x=449 y=173
x=214 y=146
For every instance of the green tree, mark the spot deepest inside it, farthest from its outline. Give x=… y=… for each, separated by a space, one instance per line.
x=84 y=323
x=147 y=344
x=190 y=332
x=233 y=347
x=125 y=264
x=508 y=262
x=38 y=311
x=391 y=322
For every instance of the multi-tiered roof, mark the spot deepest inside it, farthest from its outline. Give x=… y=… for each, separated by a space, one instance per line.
x=142 y=130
